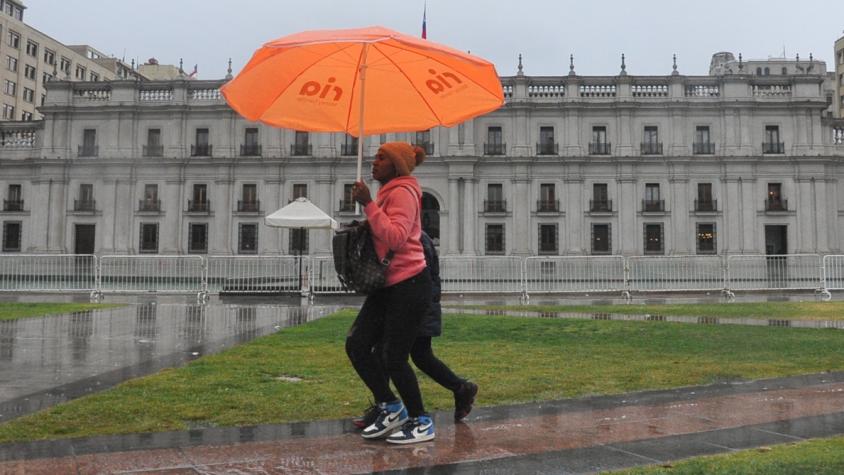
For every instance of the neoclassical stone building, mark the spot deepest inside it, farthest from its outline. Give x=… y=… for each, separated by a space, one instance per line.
x=571 y=165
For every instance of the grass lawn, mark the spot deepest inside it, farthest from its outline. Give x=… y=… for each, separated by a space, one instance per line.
x=818 y=457
x=14 y=310
x=780 y=310
x=512 y=359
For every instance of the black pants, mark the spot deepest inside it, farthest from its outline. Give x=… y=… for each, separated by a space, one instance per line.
x=423 y=357
x=390 y=318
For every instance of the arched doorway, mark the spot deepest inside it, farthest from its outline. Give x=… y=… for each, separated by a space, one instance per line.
x=431 y=217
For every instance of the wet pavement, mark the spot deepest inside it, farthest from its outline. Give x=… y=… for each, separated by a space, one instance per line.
x=568 y=436
x=45 y=361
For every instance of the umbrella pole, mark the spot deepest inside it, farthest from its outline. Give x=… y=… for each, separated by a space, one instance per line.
x=301 y=242
x=360 y=117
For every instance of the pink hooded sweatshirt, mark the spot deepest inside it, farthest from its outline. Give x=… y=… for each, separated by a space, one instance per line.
x=394 y=218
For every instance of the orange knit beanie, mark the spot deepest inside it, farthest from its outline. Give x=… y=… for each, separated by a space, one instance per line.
x=405 y=157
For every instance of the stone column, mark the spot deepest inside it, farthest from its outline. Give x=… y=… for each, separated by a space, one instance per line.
x=452 y=228
x=679 y=219
x=470 y=220
x=803 y=201
x=172 y=227
x=574 y=207
x=730 y=203
x=630 y=236
x=522 y=231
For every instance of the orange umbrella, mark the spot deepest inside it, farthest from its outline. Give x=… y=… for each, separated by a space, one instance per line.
x=362 y=81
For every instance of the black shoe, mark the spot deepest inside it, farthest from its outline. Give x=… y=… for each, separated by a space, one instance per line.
x=464 y=397
x=368 y=417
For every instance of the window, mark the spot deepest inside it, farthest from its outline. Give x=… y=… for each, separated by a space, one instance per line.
x=247 y=242
x=86 y=198
x=250 y=143
x=601 y=243
x=8 y=111
x=652 y=200
x=149 y=238
x=28 y=95
x=32 y=48
x=10 y=87
x=94 y=77
x=767 y=71
x=772 y=142
x=26 y=116
x=704 y=201
x=300 y=190
x=80 y=73
x=348 y=202
x=495 y=198
x=18 y=13
x=706 y=238
x=495 y=239
x=784 y=71
x=11 y=64
x=299 y=241
x=775 y=201
x=49 y=57
x=200 y=198
x=423 y=139
x=547 y=145
x=495 y=141
x=650 y=141
x=547 y=198
x=349 y=145
x=201 y=148
x=29 y=72
x=548 y=239
x=64 y=65
x=653 y=239
x=249 y=198
x=759 y=71
x=14 y=201
x=153 y=148
x=46 y=77
x=11 y=236
x=14 y=40
x=198 y=238
x=599 y=144
x=150 y=201
x=702 y=144
x=301 y=146
x=600 y=198
x=89 y=143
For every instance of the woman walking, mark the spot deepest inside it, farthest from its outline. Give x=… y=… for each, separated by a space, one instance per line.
x=390 y=317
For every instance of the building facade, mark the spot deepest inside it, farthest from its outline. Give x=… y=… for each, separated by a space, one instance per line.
x=838 y=105
x=30 y=59
x=571 y=165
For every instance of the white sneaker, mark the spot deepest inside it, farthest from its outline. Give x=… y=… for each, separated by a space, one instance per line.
x=392 y=415
x=417 y=429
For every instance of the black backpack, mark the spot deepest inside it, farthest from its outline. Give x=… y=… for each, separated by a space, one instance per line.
x=355 y=259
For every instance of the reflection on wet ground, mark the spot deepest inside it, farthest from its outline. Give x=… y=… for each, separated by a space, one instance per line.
x=45 y=361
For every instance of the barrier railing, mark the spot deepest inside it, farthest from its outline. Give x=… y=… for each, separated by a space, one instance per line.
x=48 y=273
x=254 y=274
x=261 y=274
x=482 y=274
x=783 y=272
x=323 y=277
x=160 y=274
x=558 y=274
x=833 y=269
x=675 y=273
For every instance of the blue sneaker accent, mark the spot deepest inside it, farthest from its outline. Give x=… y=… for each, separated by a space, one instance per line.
x=417 y=429
x=392 y=415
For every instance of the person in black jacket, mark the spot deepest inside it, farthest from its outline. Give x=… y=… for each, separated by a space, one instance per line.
x=422 y=354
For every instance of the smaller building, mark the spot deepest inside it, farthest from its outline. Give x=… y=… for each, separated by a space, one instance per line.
x=839 y=78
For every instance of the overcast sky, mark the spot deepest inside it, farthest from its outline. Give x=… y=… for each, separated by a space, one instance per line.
x=208 y=32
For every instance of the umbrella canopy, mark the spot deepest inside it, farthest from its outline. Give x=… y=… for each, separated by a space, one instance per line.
x=300 y=213
x=362 y=81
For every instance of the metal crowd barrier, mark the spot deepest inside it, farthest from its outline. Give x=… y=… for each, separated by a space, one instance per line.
x=160 y=274
x=48 y=273
x=255 y=274
x=676 y=274
x=833 y=267
x=582 y=274
x=784 y=272
x=472 y=275
x=481 y=275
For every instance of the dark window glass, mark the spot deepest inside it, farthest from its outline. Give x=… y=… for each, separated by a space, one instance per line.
x=198 y=238
x=11 y=236
x=494 y=136
x=300 y=190
x=494 y=238
x=653 y=239
x=601 y=239
x=547 y=238
x=299 y=241
x=706 y=238
x=248 y=238
x=599 y=135
x=149 y=238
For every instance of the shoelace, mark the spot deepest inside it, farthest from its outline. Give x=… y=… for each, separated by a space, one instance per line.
x=409 y=424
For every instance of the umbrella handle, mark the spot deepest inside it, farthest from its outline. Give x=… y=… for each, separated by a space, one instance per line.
x=361 y=118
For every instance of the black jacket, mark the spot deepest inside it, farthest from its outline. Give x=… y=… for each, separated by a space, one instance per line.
x=432 y=323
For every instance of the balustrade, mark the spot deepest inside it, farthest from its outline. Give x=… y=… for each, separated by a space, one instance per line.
x=597 y=90
x=703 y=90
x=772 y=90
x=550 y=91
x=17 y=138
x=207 y=94
x=155 y=95
x=648 y=90
x=93 y=94
x=838 y=135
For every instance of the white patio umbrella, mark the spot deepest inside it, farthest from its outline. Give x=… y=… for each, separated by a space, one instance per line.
x=300 y=214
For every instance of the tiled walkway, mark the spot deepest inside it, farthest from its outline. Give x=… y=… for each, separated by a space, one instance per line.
x=570 y=436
